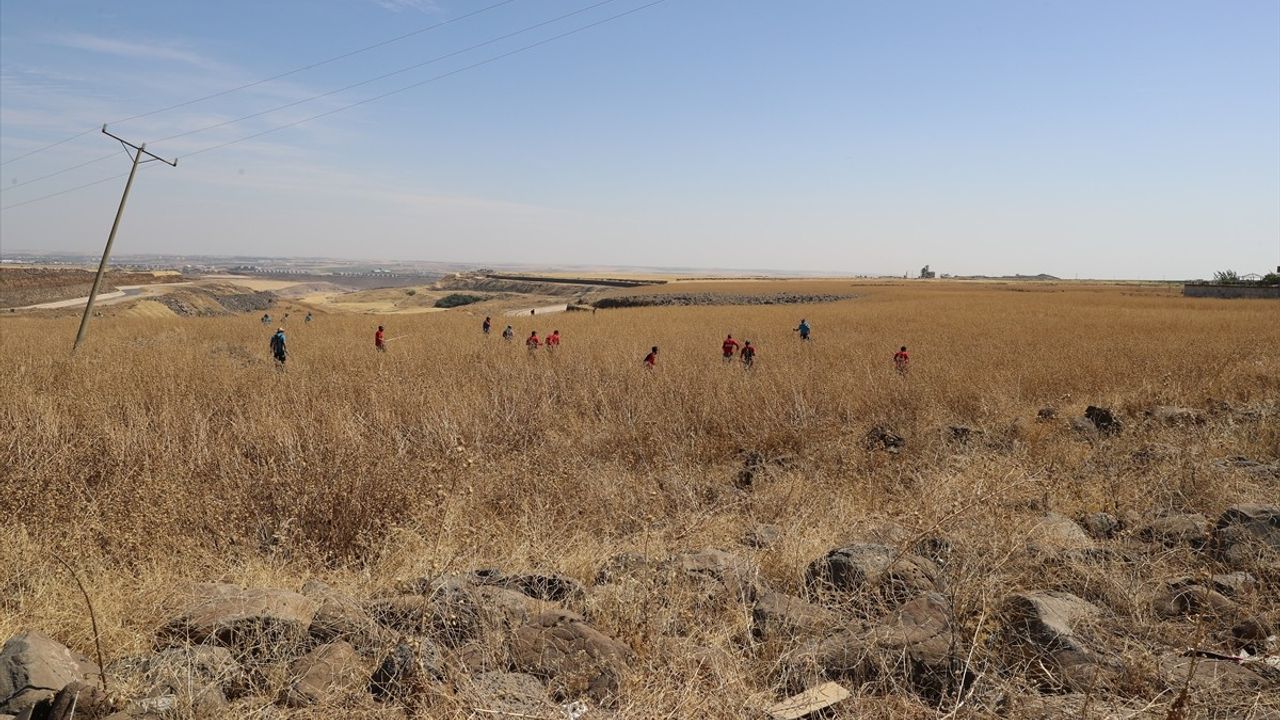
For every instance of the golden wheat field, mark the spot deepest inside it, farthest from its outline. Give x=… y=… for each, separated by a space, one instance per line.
x=171 y=452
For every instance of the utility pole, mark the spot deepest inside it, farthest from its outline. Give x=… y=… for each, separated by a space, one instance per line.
x=136 y=157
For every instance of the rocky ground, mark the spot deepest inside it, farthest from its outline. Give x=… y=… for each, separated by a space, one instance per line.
x=873 y=615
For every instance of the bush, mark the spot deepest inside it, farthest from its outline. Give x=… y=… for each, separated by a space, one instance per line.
x=410 y=293
x=457 y=300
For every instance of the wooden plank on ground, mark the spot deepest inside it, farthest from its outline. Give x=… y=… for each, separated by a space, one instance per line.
x=808 y=702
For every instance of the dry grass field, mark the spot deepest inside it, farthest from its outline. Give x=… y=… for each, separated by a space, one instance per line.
x=171 y=452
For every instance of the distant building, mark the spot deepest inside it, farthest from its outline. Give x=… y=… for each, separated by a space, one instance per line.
x=927 y=274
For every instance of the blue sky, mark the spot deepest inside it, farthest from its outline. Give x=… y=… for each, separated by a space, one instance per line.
x=1098 y=139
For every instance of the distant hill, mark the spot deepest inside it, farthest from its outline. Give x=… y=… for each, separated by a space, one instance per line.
x=1041 y=276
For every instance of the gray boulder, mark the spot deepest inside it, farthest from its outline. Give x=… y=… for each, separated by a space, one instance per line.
x=575 y=658
x=870 y=571
x=1177 y=529
x=777 y=616
x=1249 y=534
x=260 y=622
x=912 y=644
x=507 y=694
x=332 y=674
x=1044 y=631
x=34 y=667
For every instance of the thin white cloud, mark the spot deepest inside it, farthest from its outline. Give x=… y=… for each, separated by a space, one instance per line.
x=135 y=50
x=400 y=5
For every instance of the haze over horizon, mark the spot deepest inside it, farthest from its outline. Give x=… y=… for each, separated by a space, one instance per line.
x=1134 y=140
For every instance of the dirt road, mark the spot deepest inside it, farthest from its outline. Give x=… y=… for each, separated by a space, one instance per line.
x=535 y=311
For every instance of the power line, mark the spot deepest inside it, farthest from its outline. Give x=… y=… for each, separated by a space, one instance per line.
x=375 y=98
x=64 y=192
x=393 y=73
x=436 y=78
x=279 y=76
x=329 y=93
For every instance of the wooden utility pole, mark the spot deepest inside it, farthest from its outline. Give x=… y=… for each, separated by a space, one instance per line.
x=136 y=157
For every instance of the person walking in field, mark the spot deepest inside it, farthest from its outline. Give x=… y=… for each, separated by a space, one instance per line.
x=508 y=334
x=488 y=323
x=307 y=318
x=379 y=340
x=728 y=348
x=902 y=361
x=533 y=343
x=553 y=341
x=651 y=360
x=266 y=318
x=804 y=329
x=278 y=349
x=748 y=355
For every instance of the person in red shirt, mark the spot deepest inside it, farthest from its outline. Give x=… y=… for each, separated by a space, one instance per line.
x=533 y=343
x=651 y=360
x=378 y=341
x=748 y=355
x=729 y=347
x=553 y=340
x=901 y=360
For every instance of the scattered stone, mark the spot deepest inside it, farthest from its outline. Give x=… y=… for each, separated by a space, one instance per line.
x=1247 y=533
x=623 y=566
x=719 y=575
x=1207 y=673
x=1186 y=600
x=77 y=700
x=1234 y=585
x=872 y=569
x=1083 y=426
x=963 y=433
x=1074 y=705
x=198 y=675
x=507 y=693
x=1189 y=529
x=1048 y=413
x=257 y=621
x=1253 y=635
x=1100 y=525
x=913 y=644
x=1173 y=415
x=331 y=674
x=1252 y=467
x=935 y=548
x=809 y=702
x=1103 y=419
x=549 y=586
x=1042 y=628
x=762 y=536
x=884 y=438
x=340 y=616
x=408 y=670
x=1053 y=533
x=34 y=667
x=781 y=616
x=573 y=656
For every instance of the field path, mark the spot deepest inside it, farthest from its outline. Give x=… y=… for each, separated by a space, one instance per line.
x=542 y=310
x=124 y=292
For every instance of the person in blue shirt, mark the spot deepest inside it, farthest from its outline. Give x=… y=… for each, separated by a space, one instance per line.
x=278 y=349
x=803 y=329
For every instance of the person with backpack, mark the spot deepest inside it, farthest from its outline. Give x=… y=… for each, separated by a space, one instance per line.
x=278 y=349
x=508 y=334
x=748 y=355
x=553 y=341
x=488 y=323
x=532 y=342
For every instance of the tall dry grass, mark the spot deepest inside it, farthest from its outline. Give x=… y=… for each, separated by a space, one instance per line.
x=173 y=451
